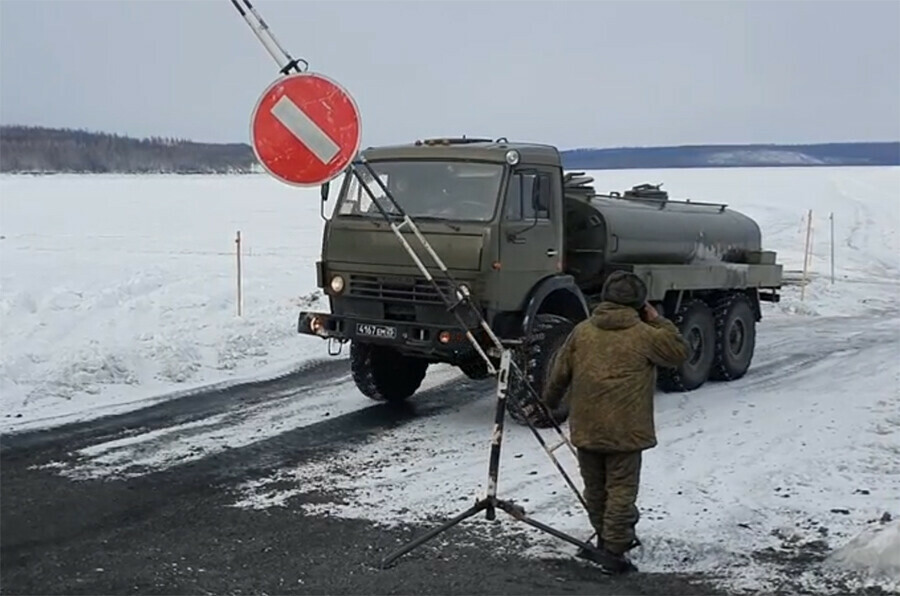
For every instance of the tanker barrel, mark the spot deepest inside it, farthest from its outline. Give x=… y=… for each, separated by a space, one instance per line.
x=646 y=227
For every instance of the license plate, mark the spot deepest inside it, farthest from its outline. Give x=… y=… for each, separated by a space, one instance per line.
x=380 y=331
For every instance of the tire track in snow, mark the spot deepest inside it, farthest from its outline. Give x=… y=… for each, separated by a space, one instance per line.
x=859 y=238
x=782 y=353
x=332 y=403
x=141 y=496
x=803 y=354
x=192 y=407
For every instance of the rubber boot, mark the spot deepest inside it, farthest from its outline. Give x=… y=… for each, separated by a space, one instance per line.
x=584 y=554
x=610 y=563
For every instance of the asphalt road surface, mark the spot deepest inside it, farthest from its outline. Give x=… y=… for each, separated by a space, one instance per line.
x=174 y=531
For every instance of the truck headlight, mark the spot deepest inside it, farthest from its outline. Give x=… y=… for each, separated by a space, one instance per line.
x=337 y=284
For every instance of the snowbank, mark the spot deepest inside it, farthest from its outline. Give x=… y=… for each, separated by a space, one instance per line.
x=874 y=552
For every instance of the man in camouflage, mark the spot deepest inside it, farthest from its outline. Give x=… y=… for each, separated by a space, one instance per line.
x=607 y=371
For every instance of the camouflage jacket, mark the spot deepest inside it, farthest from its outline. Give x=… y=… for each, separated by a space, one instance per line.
x=606 y=370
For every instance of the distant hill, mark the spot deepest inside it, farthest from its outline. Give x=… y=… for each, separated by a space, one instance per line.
x=30 y=149
x=43 y=150
x=743 y=156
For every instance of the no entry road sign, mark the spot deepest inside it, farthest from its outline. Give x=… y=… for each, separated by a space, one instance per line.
x=305 y=129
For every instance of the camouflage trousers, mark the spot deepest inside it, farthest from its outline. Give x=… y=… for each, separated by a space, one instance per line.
x=610 y=489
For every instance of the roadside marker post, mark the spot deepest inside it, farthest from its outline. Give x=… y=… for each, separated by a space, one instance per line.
x=237 y=243
x=831 y=218
x=807 y=249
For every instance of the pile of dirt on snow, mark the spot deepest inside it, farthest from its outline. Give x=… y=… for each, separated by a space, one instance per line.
x=874 y=552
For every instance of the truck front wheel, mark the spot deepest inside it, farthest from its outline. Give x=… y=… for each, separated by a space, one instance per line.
x=535 y=359
x=383 y=374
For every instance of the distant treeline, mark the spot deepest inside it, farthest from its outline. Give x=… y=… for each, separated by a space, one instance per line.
x=41 y=150
x=27 y=149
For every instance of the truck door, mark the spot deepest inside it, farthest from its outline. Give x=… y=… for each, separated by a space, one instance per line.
x=530 y=231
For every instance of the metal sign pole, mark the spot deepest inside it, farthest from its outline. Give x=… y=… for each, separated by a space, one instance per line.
x=284 y=60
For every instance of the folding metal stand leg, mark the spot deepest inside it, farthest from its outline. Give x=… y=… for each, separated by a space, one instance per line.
x=490 y=503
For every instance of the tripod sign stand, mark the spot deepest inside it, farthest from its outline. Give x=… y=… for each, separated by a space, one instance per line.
x=398 y=220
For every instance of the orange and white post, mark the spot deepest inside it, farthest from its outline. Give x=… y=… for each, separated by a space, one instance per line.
x=831 y=221
x=807 y=254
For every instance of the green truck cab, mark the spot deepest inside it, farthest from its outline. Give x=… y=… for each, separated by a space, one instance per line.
x=533 y=245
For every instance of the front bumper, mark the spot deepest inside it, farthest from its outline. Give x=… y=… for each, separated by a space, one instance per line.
x=445 y=343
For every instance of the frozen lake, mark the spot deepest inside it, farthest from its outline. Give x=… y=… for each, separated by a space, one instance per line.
x=118 y=291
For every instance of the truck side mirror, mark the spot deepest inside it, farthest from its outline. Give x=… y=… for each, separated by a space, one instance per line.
x=324 y=190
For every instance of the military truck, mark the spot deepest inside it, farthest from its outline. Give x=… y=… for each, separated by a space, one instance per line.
x=532 y=245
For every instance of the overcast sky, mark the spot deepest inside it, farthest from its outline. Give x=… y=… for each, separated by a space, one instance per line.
x=589 y=73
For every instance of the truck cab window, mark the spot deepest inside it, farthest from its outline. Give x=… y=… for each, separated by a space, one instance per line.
x=443 y=190
x=528 y=194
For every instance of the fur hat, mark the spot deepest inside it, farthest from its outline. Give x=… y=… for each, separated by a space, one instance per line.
x=625 y=288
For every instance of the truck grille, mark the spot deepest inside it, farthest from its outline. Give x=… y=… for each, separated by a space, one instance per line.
x=399 y=289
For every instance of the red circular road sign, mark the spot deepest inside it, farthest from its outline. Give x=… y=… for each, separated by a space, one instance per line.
x=305 y=129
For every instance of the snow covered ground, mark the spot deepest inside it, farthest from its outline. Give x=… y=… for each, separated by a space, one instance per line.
x=118 y=290
x=801 y=454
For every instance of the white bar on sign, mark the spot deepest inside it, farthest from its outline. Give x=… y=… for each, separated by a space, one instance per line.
x=306 y=131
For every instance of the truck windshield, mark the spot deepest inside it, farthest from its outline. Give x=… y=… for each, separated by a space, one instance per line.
x=454 y=190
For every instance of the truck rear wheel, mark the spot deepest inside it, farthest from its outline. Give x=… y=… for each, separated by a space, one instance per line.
x=535 y=359
x=735 y=336
x=696 y=322
x=383 y=374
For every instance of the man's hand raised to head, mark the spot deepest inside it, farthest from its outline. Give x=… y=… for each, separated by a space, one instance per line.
x=650 y=313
